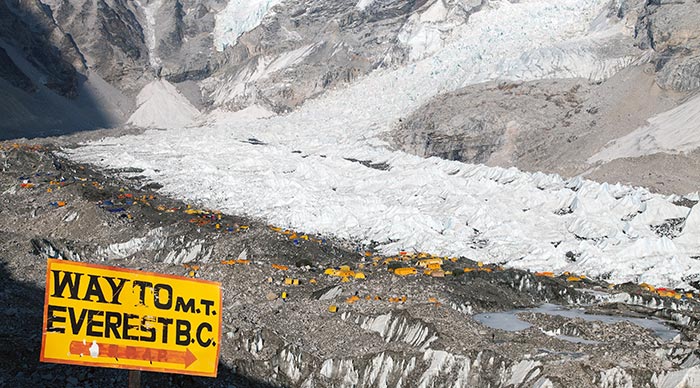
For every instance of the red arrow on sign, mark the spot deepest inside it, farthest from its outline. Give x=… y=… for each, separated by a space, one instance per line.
x=135 y=353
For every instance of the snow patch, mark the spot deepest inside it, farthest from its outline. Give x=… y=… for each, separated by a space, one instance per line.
x=332 y=293
x=155 y=239
x=242 y=84
x=398 y=328
x=378 y=372
x=290 y=58
x=340 y=370
x=675 y=131
x=363 y=4
x=543 y=382
x=616 y=378
x=691 y=226
x=428 y=30
x=441 y=362
x=250 y=113
x=291 y=364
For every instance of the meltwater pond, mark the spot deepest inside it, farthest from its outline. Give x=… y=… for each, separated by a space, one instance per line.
x=509 y=321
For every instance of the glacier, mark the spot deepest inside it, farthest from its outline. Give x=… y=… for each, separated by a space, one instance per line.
x=239 y=17
x=302 y=170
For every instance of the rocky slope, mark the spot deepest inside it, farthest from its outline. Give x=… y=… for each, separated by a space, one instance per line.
x=94 y=57
x=106 y=51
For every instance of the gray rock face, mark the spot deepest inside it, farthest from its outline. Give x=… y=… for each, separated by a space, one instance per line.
x=115 y=43
x=57 y=55
x=131 y=42
x=302 y=49
x=13 y=74
x=44 y=83
x=29 y=26
x=672 y=30
x=108 y=35
x=309 y=46
x=184 y=41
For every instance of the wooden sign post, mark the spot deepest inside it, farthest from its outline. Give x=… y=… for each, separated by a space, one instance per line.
x=119 y=318
x=134 y=379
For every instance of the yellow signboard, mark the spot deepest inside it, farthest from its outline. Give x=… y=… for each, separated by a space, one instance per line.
x=119 y=318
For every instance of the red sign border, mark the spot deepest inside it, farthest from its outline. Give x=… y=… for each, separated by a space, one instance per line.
x=127 y=367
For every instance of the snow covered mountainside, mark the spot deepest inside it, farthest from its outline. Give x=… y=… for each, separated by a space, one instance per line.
x=326 y=167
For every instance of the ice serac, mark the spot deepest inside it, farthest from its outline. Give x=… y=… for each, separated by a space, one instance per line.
x=691 y=229
x=161 y=105
x=679 y=379
x=238 y=17
x=430 y=29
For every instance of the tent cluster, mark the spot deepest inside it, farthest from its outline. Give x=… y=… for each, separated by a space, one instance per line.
x=430 y=265
x=376 y=298
x=667 y=292
x=123 y=202
x=421 y=257
x=48 y=179
x=345 y=273
x=207 y=218
x=51 y=181
x=404 y=271
x=202 y=217
x=295 y=237
x=236 y=261
x=62 y=182
x=567 y=275
x=22 y=147
x=191 y=269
